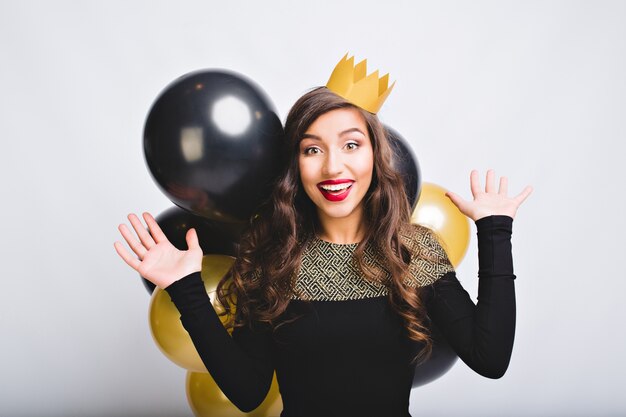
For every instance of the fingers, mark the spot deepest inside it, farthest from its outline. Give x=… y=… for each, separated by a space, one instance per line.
x=139 y=247
x=490 y=186
x=141 y=231
x=192 y=239
x=519 y=199
x=134 y=244
x=456 y=200
x=504 y=186
x=155 y=229
x=126 y=256
x=474 y=183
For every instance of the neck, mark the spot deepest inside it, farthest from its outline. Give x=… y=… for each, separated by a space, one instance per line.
x=343 y=230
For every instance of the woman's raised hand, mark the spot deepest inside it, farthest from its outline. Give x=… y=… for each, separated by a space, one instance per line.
x=489 y=202
x=157 y=259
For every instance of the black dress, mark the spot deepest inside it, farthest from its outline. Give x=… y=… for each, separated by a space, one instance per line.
x=348 y=354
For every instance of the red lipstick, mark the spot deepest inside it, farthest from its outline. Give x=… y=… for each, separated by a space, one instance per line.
x=335 y=195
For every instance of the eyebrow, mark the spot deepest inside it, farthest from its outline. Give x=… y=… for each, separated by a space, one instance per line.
x=352 y=129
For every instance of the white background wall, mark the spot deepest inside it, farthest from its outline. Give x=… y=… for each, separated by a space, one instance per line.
x=536 y=90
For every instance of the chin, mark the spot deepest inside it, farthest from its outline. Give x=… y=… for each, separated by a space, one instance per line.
x=338 y=212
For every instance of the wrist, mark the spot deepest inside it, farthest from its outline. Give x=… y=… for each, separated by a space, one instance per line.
x=494 y=220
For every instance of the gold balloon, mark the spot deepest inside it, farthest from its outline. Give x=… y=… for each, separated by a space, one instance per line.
x=167 y=330
x=207 y=400
x=436 y=211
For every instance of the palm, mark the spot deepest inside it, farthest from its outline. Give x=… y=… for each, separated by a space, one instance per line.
x=163 y=260
x=157 y=259
x=489 y=201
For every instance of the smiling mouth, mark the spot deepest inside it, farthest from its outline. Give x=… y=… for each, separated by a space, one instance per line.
x=335 y=192
x=336 y=187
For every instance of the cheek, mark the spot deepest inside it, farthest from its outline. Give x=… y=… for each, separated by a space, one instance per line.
x=366 y=166
x=306 y=171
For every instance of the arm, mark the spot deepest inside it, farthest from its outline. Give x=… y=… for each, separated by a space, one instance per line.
x=241 y=365
x=482 y=334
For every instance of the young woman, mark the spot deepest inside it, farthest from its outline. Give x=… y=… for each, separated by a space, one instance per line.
x=335 y=290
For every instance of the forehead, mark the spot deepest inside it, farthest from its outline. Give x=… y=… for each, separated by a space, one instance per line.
x=336 y=121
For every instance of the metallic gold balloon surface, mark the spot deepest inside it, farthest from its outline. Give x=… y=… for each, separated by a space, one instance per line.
x=207 y=400
x=167 y=330
x=437 y=212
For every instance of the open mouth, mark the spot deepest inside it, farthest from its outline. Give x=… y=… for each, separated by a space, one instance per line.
x=335 y=192
x=336 y=188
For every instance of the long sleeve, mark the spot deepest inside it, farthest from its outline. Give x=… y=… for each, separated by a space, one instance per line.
x=241 y=365
x=481 y=334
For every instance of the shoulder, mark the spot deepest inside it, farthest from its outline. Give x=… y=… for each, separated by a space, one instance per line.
x=429 y=260
x=420 y=240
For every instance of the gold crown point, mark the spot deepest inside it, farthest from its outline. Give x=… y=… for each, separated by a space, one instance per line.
x=341 y=75
x=352 y=83
x=383 y=83
x=384 y=95
x=374 y=76
x=347 y=63
x=360 y=70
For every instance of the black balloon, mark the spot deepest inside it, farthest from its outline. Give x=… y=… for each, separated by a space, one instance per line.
x=214 y=237
x=212 y=143
x=405 y=162
x=441 y=360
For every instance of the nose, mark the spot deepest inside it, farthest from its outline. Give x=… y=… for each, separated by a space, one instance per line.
x=333 y=164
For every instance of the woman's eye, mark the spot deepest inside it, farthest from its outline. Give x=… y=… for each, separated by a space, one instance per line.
x=352 y=145
x=311 y=151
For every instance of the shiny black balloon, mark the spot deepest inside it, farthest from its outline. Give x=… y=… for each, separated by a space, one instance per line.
x=212 y=143
x=405 y=162
x=214 y=237
x=441 y=361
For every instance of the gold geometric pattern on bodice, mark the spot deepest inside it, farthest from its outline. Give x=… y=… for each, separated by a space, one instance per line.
x=328 y=271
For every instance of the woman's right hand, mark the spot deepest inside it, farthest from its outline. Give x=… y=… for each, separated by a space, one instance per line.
x=158 y=260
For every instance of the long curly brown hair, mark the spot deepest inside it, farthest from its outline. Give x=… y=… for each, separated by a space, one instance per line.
x=261 y=280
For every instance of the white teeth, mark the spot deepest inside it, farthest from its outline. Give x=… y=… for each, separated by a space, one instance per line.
x=336 y=187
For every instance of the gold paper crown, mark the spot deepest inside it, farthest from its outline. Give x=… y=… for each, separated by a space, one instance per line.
x=351 y=82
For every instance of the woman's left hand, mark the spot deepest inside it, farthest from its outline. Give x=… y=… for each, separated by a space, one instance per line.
x=489 y=202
